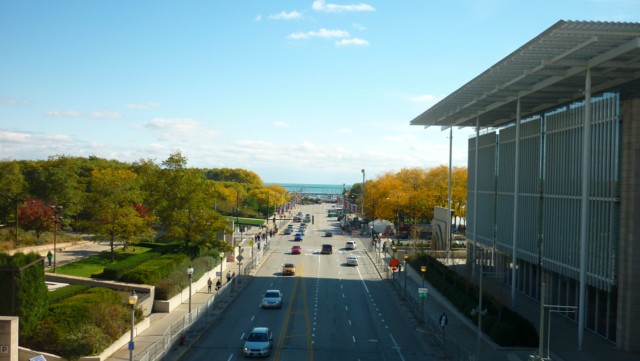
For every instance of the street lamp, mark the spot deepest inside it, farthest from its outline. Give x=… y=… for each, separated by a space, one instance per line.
x=423 y=270
x=190 y=273
x=406 y=257
x=221 y=257
x=57 y=210
x=363 y=194
x=372 y=238
x=133 y=299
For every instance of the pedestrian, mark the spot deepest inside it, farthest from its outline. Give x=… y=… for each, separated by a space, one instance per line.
x=228 y=276
x=233 y=274
x=443 y=321
x=218 y=284
x=49 y=257
x=209 y=283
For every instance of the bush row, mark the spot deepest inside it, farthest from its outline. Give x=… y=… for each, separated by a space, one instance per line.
x=178 y=280
x=65 y=292
x=83 y=325
x=115 y=271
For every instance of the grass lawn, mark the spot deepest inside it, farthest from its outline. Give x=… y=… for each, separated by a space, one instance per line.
x=85 y=267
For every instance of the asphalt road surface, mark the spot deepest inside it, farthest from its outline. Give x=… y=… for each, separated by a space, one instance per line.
x=331 y=311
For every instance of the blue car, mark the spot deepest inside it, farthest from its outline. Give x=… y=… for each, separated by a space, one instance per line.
x=298 y=237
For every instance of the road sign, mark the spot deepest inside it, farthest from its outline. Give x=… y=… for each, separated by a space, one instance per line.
x=239 y=258
x=394 y=262
x=423 y=290
x=394 y=269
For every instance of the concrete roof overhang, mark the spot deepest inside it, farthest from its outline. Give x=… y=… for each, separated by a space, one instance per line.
x=548 y=71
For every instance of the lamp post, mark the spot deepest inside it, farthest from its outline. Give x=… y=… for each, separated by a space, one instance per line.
x=423 y=270
x=393 y=256
x=363 y=194
x=221 y=257
x=57 y=210
x=406 y=257
x=133 y=299
x=372 y=238
x=190 y=273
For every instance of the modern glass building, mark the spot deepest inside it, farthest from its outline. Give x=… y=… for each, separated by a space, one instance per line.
x=554 y=172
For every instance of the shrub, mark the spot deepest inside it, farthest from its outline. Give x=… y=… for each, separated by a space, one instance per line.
x=63 y=293
x=115 y=271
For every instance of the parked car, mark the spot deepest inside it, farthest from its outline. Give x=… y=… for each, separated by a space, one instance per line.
x=350 y=245
x=327 y=249
x=272 y=299
x=259 y=342
x=296 y=250
x=297 y=237
x=352 y=260
x=328 y=234
x=288 y=269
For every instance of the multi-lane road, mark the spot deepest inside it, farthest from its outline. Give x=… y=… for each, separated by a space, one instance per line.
x=331 y=311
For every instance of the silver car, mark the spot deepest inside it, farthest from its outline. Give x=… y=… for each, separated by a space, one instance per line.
x=272 y=299
x=259 y=342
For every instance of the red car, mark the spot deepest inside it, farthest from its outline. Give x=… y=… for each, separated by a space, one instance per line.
x=296 y=250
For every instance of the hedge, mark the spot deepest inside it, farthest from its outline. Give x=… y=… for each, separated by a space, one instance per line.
x=115 y=271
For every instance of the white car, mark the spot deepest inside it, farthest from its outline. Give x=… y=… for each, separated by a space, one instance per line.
x=352 y=260
x=259 y=342
x=350 y=245
x=272 y=299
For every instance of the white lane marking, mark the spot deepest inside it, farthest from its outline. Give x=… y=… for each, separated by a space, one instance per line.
x=230 y=357
x=346 y=308
x=395 y=346
x=350 y=323
x=253 y=317
x=362 y=279
x=354 y=339
x=242 y=336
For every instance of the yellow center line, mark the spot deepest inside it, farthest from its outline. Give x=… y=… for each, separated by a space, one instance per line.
x=287 y=316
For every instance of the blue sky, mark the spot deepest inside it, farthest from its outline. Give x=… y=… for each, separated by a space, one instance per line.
x=296 y=91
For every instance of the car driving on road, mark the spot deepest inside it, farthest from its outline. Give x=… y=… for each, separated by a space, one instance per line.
x=272 y=299
x=350 y=245
x=352 y=260
x=258 y=342
x=297 y=237
x=327 y=249
x=288 y=269
x=296 y=250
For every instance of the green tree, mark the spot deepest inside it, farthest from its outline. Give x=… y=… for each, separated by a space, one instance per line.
x=12 y=187
x=114 y=205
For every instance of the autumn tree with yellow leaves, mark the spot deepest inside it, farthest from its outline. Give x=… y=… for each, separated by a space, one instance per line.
x=410 y=195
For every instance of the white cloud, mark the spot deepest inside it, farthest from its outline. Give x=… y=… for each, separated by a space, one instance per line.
x=63 y=113
x=344 y=130
x=352 y=41
x=423 y=99
x=322 y=33
x=30 y=138
x=292 y=15
x=320 y=5
x=143 y=105
x=181 y=131
x=401 y=138
x=257 y=18
x=280 y=124
x=358 y=26
x=7 y=101
x=106 y=114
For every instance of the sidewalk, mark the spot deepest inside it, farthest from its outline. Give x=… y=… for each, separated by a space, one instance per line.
x=162 y=339
x=462 y=331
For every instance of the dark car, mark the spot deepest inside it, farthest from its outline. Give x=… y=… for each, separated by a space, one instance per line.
x=327 y=249
x=297 y=237
x=328 y=234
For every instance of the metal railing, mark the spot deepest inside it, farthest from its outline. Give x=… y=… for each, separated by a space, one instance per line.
x=433 y=333
x=199 y=319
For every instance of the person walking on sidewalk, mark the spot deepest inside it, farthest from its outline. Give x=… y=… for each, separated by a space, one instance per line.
x=228 y=276
x=209 y=284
